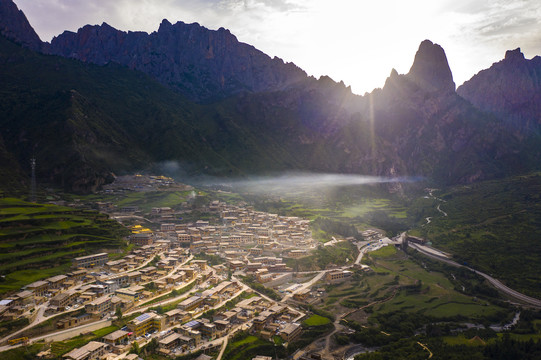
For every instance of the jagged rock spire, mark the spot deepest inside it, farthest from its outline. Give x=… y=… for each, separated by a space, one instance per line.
x=430 y=68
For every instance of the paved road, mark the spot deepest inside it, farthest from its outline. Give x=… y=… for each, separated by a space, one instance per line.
x=495 y=282
x=39 y=318
x=72 y=332
x=363 y=249
x=40 y=315
x=305 y=285
x=64 y=334
x=222 y=350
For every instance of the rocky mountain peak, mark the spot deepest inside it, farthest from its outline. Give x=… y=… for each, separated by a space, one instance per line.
x=510 y=88
x=164 y=25
x=514 y=55
x=15 y=26
x=430 y=69
x=204 y=65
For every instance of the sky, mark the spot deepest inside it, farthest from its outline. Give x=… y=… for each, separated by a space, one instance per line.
x=358 y=42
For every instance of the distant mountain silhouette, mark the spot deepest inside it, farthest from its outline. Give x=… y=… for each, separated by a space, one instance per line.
x=114 y=102
x=201 y=64
x=510 y=88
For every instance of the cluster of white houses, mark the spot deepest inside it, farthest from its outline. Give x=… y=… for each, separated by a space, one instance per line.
x=238 y=226
x=250 y=240
x=101 y=285
x=177 y=331
x=240 y=233
x=187 y=336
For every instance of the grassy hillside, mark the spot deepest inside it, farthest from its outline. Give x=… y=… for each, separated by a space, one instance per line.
x=495 y=226
x=84 y=121
x=419 y=290
x=40 y=240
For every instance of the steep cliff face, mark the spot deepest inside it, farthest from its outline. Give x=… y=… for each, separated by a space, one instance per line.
x=436 y=133
x=15 y=26
x=202 y=64
x=510 y=88
x=430 y=69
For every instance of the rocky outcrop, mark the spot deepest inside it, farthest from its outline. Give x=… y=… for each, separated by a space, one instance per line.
x=510 y=88
x=202 y=64
x=15 y=26
x=436 y=133
x=430 y=69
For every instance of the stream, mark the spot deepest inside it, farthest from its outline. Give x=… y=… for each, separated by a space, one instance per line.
x=360 y=349
x=508 y=326
x=431 y=196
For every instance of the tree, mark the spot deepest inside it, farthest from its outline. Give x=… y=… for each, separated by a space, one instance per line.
x=154 y=261
x=118 y=313
x=152 y=346
x=135 y=348
x=151 y=286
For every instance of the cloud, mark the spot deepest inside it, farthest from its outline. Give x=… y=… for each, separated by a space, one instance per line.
x=270 y=5
x=478 y=32
x=506 y=19
x=499 y=24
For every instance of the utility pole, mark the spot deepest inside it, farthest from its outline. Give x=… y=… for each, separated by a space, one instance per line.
x=33 y=183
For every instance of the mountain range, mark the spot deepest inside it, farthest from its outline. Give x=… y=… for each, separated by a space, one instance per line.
x=102 y=101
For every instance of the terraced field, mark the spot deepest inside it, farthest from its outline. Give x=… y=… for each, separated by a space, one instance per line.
x=398 y=284
x=40 y=240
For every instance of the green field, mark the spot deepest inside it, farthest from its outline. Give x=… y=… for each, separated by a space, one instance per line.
x=144 y=200
x=426 y=292
x=362 y=206
x=399 y=285
x=42 y=239
x=494 y=226
x=369 y=205
x=147 y=200
x=243 y=346
x=339 y=254
x=316 y=320
x=24 y=352
x=406 y=302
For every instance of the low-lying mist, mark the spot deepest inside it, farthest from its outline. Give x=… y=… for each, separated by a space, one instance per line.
x=293 y=182
x=280 y=183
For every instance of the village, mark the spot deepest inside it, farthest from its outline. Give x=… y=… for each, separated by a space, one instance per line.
x=168 y=267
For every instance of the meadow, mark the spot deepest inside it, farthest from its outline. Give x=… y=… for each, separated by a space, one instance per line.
x=40 y=240
x=493 y=226
x=397 y=284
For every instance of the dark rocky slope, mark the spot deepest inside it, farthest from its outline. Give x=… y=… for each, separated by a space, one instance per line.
x=511 y=89
x=15 y=26
x=436 y=133
x=201 y=64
